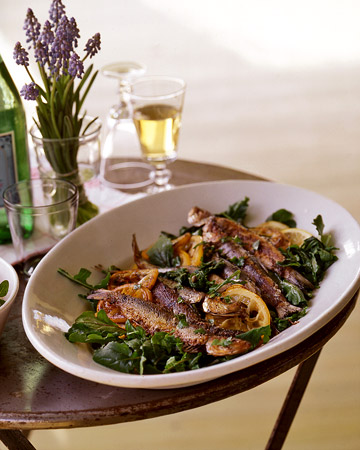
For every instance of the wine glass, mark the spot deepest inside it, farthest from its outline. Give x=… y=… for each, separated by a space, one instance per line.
x=157 y=103
x=121 y=165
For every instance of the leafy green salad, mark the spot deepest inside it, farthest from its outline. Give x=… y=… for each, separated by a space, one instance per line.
x=129 y=348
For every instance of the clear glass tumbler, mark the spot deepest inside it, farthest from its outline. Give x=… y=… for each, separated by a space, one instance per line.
x=40 y=213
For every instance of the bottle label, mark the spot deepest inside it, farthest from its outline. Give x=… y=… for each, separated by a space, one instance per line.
x=7 y=162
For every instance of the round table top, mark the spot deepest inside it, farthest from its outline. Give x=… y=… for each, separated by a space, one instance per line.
x=37 y=395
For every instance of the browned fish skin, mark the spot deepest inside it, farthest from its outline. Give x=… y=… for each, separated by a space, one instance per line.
x=165 y=295
x=185 y=294
x=198 y=216
x=230 y=268
x=153 y=318
x=269 y=291
x=261 y=248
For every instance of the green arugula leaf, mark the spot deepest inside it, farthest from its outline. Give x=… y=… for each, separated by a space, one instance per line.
x=118 y=356
x=256 y=336
x=238 y=261
x=199 y=279
x=93 y=329
x=293 y=294
x=286 y=322
x=312 y=259
x=237 y=211
x=181 y=321
x=284 y=216
x=319 y=224
x=82 y=276
x=162 y=253
x=139 y=353
x=195 y=230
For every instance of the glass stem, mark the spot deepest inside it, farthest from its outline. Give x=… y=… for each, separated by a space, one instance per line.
x=161 y=175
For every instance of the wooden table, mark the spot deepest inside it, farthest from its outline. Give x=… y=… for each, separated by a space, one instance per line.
x=35 y=394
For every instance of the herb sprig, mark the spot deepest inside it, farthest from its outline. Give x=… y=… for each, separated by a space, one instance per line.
x=314 y=256
x=4 y=289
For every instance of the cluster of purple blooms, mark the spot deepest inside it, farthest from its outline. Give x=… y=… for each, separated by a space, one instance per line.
x=53 y=46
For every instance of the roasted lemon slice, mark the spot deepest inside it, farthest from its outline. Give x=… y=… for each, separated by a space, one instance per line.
x=196 y=250
x=296 y=236
x=189 y=249
x=247 y=307
x=274 y=224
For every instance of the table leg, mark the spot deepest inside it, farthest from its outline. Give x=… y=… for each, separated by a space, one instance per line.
x=15 y=440
x=292 y=402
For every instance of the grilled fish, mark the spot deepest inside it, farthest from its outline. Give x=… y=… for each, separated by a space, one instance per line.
x=269 y=291
x=266 y=253
x=153 y=318
x=165 y=294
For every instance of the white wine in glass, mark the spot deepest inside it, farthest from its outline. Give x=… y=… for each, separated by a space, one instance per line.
x=157 y=106
x=158 y=129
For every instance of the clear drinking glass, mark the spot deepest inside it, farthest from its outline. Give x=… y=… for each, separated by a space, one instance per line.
x=40 y=213
x=121 y=164
x=157 y=103
x=54 y=156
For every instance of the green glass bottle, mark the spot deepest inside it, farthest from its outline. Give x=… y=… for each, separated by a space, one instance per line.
x=14 y=156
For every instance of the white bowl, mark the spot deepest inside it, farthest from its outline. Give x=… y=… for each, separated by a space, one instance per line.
x=51 y=302
x=7 y=272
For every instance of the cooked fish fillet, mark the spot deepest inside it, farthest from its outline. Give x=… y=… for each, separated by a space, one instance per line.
x=153 y=318
x=269 y=291
x=165 y=294
x=268 y=255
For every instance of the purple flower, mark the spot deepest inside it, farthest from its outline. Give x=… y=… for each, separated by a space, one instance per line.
x=41 y=53
x=30 y=91
x=32 y=27
x=41 y=49
x=20 y=55
x=76 y=66
x=63 y=45
x=56 y=12
x=93 y=45
x=73 y=31
x=47 y=35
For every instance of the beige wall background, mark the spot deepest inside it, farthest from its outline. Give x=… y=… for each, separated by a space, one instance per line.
x=273 y=89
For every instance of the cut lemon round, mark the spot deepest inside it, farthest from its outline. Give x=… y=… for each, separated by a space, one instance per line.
x=144 y=277
x=296 y=236
x=273 y=224
x=251 y=309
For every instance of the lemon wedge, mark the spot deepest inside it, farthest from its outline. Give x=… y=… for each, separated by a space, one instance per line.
x=255 y=313
x=296 y=236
